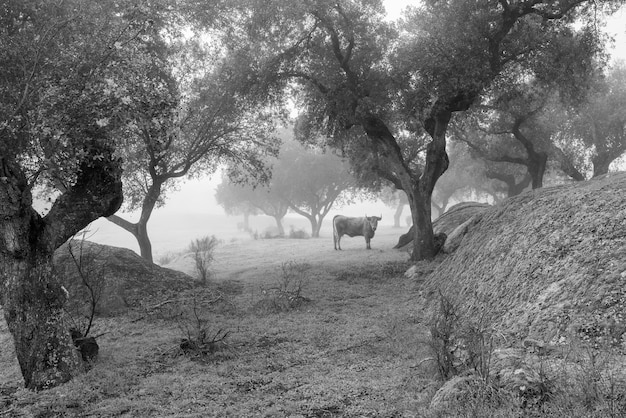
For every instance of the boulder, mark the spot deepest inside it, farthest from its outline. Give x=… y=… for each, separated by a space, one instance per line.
x=449 y=221
x=122 y=279
x=453 y=240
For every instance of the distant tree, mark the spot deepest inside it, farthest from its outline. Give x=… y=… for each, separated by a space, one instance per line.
x=310 y=181
x=394 y=198
x=519 y=121
x=600 y=123
x=249 y=199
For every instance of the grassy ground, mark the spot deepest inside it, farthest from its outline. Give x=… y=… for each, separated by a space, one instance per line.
x=351 y=344
x=293 y=328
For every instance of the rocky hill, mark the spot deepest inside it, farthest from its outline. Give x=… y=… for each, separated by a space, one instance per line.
x=548 y=265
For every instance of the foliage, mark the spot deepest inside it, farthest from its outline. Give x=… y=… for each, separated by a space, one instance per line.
x=599 y=124
x=197 y=113
x=202 y=250
x=66 y=69
x=311 y=181
x=305 y=179
x=297 y=233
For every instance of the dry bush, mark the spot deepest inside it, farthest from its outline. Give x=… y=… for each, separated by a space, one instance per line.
x=590 y=382
x=202 y=250
x=200 y=338
x=444 y=327
x=286 y=293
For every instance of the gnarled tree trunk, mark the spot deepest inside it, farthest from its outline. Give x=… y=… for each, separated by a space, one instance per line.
x=32 y=296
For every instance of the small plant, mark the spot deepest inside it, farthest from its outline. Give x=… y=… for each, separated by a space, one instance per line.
x=199 y=339
x=443 y=329
x=202 y=250
x=286 y=294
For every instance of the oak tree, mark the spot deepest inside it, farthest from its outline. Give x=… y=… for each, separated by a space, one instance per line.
x=65 y=68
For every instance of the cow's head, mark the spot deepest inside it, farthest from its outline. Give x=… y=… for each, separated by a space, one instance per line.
x=373 y=221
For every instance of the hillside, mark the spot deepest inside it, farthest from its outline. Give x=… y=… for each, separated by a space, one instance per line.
x=548 y=265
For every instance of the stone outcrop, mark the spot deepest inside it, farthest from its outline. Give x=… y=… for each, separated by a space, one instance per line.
x=449 y=221
x=546 y=265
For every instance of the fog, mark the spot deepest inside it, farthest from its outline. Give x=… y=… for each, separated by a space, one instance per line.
x=193 y=213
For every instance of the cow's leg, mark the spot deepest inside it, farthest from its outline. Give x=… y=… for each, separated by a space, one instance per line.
x=367 y=244
x=338 y=242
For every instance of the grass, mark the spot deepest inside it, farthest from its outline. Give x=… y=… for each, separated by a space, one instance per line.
x=356 y=346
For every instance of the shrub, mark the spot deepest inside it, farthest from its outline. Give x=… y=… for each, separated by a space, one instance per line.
x=286 y=293
x=202 y=250
x=297 y=234
x=200 y=339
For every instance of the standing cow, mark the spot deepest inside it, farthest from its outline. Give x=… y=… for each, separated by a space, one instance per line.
x=352 y=227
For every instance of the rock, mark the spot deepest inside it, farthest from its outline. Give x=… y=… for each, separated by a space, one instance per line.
x=454 y=391
x=449 y=221
x=454 y=239
x=546 y=265
x=123 y=279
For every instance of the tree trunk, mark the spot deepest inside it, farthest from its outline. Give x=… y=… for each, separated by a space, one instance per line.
x=32 y=297
x=601 y=165
x=315 y=226
x=246 y=221
x=33 y=302
x=145 y=246
x=537 y=168
x=398 y=214
x=279 y=225
x=421 y=194
x=140 y=229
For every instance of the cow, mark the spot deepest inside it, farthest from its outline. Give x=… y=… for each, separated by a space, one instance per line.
x=352 y=227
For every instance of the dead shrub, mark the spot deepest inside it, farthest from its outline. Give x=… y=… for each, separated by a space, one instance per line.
x=286 y=293
x=200 y=338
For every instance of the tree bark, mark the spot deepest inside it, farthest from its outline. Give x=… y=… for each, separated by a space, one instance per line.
x=140 y=228
x=32 y=297
x=397 y=214
x=436 y=164
x=601 y=164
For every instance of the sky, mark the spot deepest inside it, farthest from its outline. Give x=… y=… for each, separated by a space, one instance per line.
x=192 y=211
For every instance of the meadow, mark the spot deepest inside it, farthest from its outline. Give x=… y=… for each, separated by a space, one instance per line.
x=294 y=328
